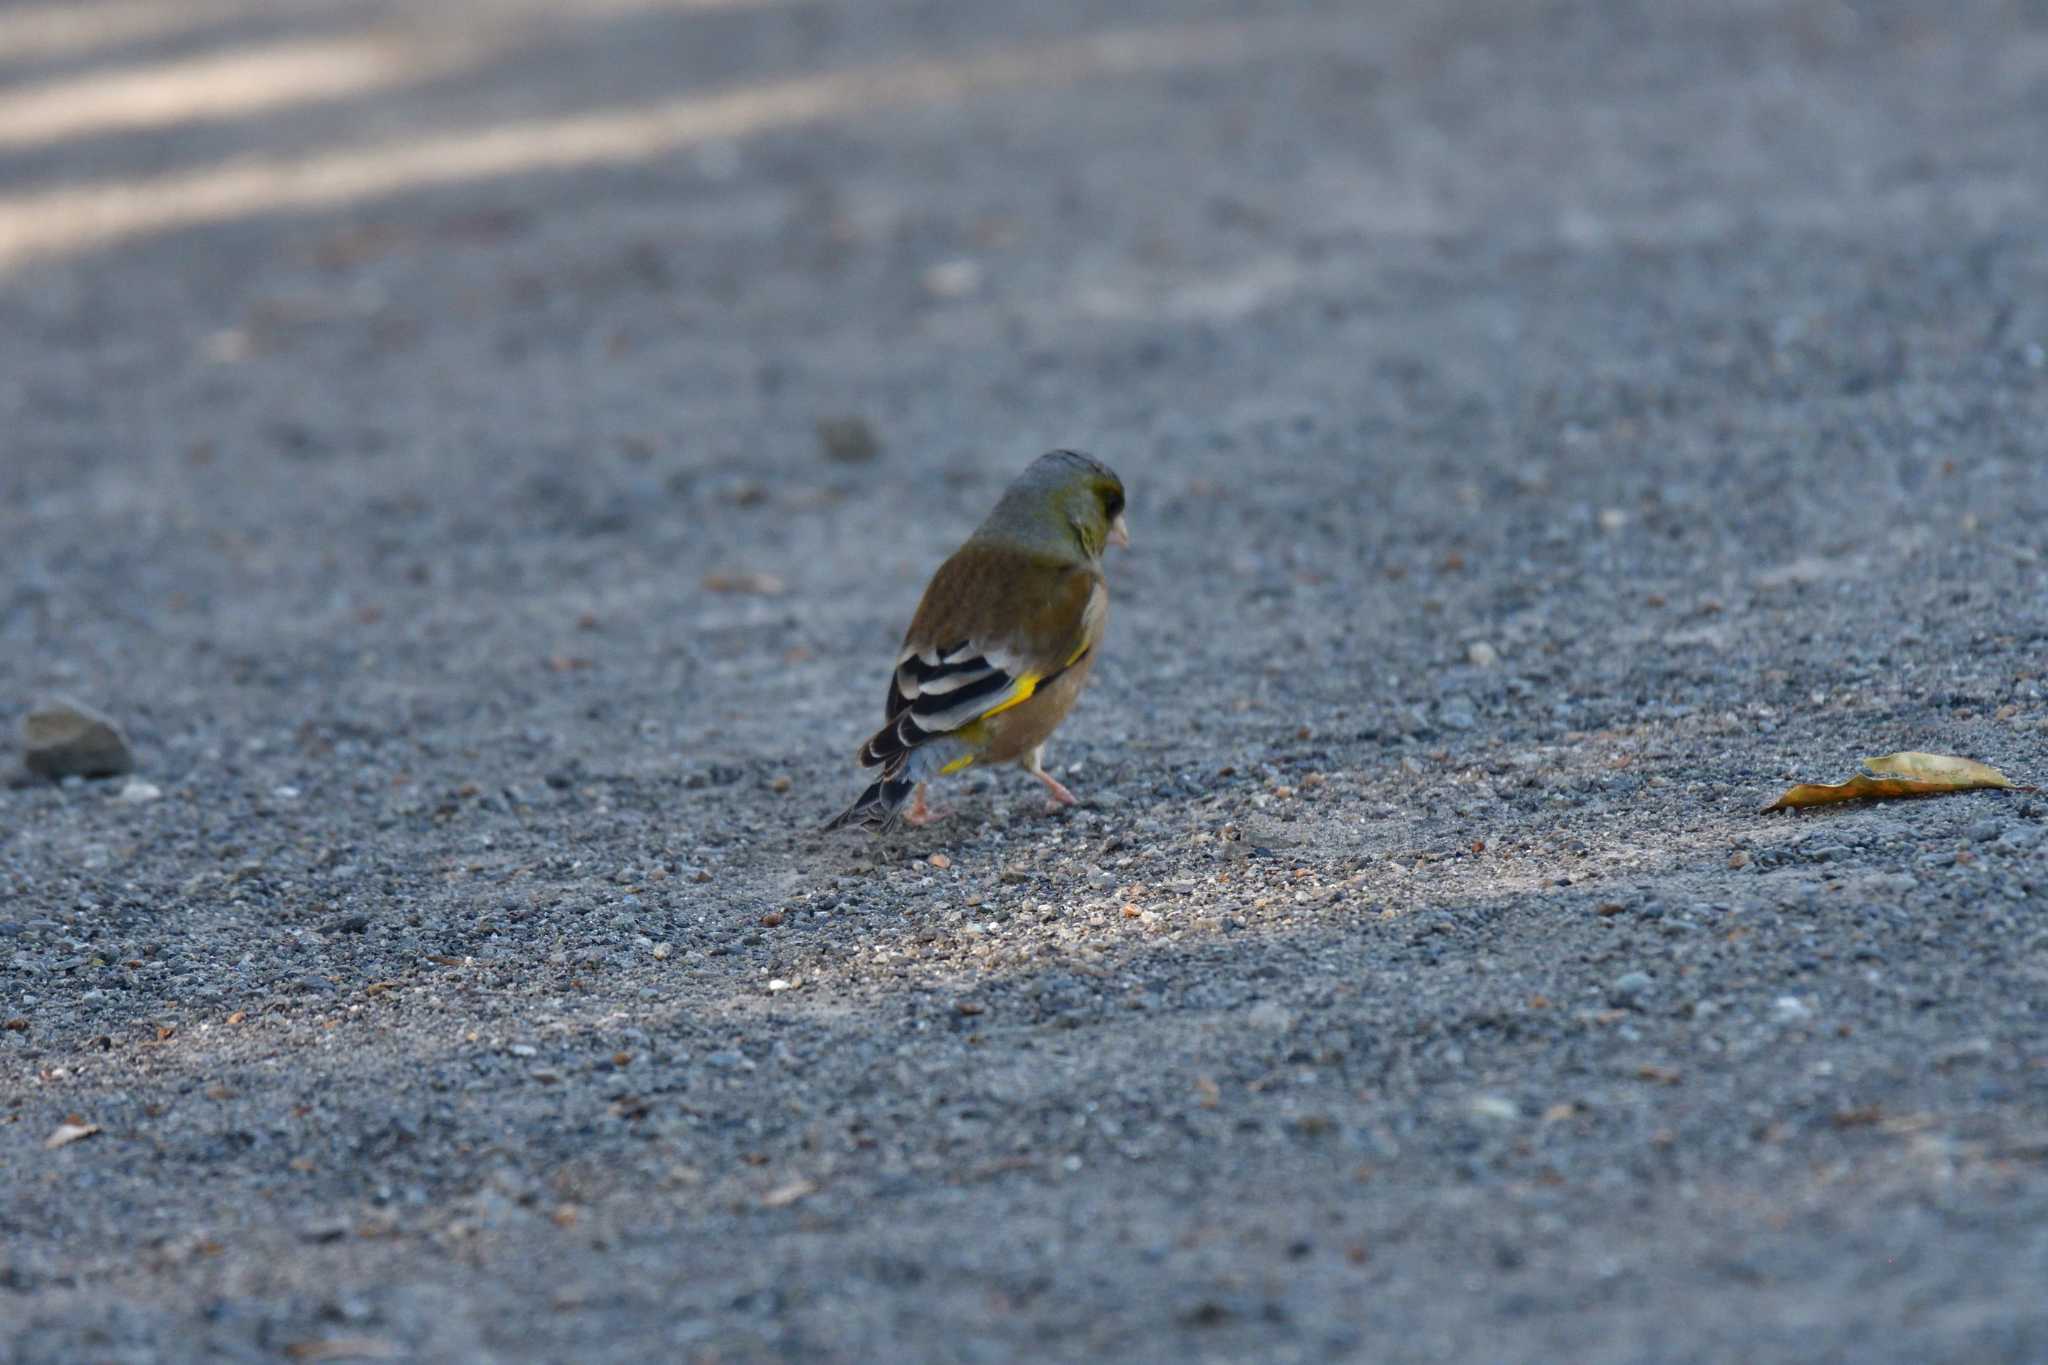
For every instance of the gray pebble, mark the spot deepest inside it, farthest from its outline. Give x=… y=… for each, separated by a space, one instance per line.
x=1630 y=988
x=68 y=739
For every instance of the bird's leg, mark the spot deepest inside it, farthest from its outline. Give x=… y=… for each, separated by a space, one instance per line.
x=1034 y=764
x=919 y=813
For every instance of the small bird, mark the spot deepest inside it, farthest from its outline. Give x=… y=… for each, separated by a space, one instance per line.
x=1002 y=640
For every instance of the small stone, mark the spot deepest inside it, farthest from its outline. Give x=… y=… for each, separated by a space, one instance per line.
x=66 y=739
x=848 y=440
x=1612 y=519
x=661 y=952
x=136 y=792
x=523 y=1050
x=1480 y=654
x=346 y=924
x=1631 y=987
x=1271 y=1016
x=1493 y=1108
x=1984 y=831
x=780 y=784
x=1790 y=1009
x=779 y=985
x=952 y=279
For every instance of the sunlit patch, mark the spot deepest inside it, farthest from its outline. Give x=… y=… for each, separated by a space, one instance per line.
x=207 y=89
x=60 y=222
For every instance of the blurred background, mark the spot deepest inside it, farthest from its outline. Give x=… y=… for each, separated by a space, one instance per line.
x=446 y=335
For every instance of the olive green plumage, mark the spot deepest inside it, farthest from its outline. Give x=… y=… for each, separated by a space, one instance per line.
x=1002 y=640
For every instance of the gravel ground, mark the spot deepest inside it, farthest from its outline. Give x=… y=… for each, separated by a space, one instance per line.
x=1550 y=429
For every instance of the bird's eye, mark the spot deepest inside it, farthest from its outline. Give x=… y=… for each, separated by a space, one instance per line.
x=1113 y=503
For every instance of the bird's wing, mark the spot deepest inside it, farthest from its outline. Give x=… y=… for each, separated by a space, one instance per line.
x=992 y=629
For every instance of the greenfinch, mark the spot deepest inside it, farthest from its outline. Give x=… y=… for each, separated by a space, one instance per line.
x=1002 y=641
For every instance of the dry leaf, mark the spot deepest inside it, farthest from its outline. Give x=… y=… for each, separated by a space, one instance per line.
x=68 y=1133
x=1902 y=774
x=343 y=1348
x=759 y=584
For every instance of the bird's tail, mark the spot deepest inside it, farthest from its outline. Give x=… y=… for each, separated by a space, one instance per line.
x=880 y=806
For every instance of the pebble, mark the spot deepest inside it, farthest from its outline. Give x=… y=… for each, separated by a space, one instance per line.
x=848 y=440
x=67 y=739
x=952 y=279
x=136 y=792
x=1270 y=1015
x=1480 y=654
x=1790 y=1009
x=1493 y=1108
x=1984 y=831
x=1631 y=987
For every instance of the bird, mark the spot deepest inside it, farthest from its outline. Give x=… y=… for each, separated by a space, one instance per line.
x=1001 y=642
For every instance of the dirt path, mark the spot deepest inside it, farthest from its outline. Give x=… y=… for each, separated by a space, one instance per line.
x=1549 y=430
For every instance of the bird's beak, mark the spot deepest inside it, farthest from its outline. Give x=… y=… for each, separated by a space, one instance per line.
x=1119 y=533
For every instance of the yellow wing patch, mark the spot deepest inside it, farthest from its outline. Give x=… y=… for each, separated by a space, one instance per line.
x=1020 y=693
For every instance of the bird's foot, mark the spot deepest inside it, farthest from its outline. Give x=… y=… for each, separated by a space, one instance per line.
x=919 y=815
x=1060 y=795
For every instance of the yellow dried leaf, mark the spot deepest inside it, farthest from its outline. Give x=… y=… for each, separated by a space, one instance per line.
x=1901 y=774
